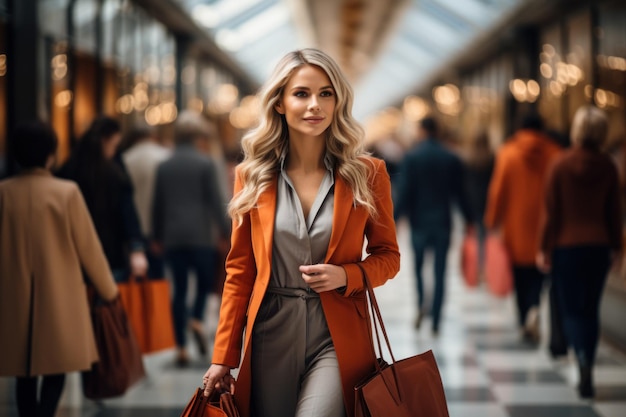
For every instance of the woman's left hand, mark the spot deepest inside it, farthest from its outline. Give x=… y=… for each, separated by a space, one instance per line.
x=324 y=277
x=218 y=377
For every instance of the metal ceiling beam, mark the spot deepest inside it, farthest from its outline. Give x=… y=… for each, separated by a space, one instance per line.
x=302 y=14
x=380 y=24
x=354 y=32
x=180 y=22
x=498 y=36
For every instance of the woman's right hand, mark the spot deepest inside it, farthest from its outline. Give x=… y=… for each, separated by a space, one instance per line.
x=218 y=377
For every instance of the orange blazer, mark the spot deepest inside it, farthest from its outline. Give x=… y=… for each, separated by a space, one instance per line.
x=248 y=267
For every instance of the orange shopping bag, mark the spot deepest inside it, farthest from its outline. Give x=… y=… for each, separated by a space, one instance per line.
x=132 y=301
x=149 y=309
x=498 y=273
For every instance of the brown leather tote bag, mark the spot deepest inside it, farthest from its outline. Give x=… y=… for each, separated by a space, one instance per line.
x=411 y=387
x=121 y=364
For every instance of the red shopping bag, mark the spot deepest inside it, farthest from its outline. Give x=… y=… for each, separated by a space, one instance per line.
x=469 y=259
x=498 y=272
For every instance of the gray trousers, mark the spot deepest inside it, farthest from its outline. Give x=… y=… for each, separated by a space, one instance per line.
x=295 y=372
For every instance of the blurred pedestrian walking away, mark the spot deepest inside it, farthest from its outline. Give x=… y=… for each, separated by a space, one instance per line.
x=430 y=184
x=188 y=204
x=582 y=234
x=46 y=237
x=108 y=193
x=213 y=147
x=306 y=197
x=514 y=208
x=142 y=159
x=479 y=162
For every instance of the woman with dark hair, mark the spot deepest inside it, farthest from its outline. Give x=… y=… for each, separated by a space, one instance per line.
x=46 y=238
x=109 y=196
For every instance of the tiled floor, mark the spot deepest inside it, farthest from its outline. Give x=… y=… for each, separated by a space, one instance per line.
x=486 y=370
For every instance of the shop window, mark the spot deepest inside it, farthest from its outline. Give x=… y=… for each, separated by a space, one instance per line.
x=85 y=109
x=52 y=18
x=483 y=95
x=84 y=17
x=146 y=70
x=553 y=77
x=576 y=70
x=53 y=27
x=610 y=93
x=60 y=96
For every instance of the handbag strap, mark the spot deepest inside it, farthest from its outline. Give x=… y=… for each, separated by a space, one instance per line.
x=378 y=318
x=392 y=388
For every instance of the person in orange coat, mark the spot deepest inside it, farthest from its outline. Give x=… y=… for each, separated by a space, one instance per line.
x=306 y=197
x=514 y=205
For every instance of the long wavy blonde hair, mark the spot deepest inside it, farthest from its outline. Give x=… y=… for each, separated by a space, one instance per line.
x=263 y=145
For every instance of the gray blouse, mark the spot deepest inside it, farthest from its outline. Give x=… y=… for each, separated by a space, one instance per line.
x=299 y=241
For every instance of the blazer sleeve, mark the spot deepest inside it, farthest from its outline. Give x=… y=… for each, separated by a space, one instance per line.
x=88 y=247
x=240 y=276
x=383 y=260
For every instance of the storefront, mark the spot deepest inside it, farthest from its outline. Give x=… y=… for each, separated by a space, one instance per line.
x=564 y=59
x=81 y=58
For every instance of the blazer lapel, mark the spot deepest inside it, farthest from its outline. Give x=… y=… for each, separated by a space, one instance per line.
x=266 y=206
x=344 y=202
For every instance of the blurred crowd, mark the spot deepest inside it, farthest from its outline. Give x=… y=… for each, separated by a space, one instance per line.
x=553 y=205
x=160 y=211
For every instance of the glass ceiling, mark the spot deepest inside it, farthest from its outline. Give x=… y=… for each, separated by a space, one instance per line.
x=425 y=35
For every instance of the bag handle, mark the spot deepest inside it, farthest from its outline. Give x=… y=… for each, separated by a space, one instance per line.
x=378 y=321
x=199 y=404
x=378 y=318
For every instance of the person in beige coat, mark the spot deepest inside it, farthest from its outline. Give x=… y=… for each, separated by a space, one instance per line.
x=46 y=236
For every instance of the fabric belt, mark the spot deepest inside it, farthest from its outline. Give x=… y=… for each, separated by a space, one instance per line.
x=305 y=294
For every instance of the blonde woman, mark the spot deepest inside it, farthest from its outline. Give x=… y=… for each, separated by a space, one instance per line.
x=306 y=197
x=582 y=234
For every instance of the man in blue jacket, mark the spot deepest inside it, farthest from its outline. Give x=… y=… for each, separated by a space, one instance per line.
x=429 y=184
